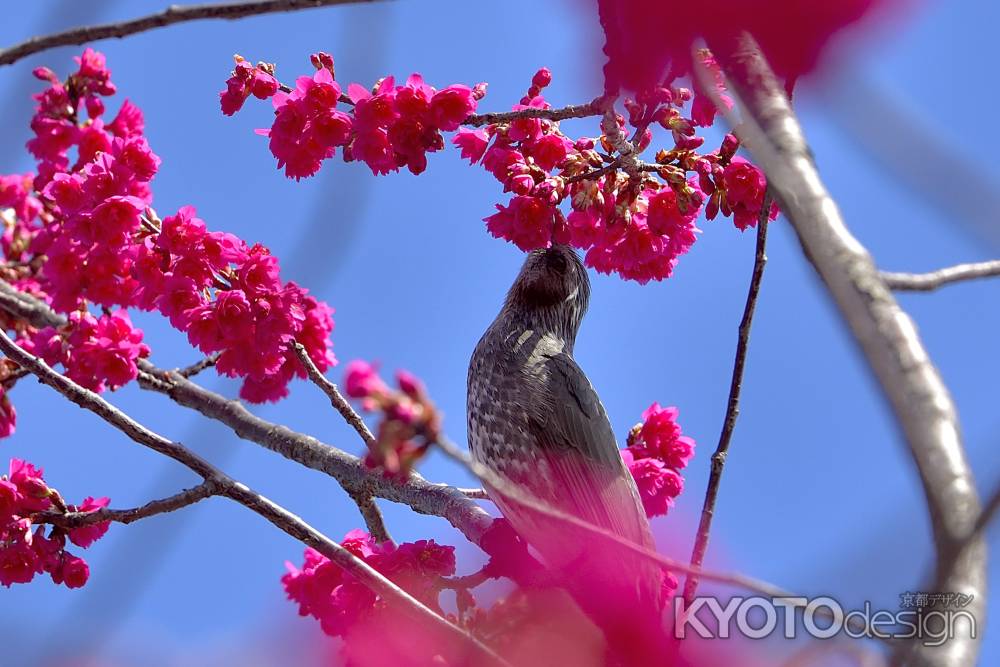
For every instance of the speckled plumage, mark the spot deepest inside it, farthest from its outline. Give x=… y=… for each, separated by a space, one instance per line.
x=534 y=418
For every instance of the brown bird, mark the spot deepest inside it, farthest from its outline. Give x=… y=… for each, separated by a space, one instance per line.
x=535 y=420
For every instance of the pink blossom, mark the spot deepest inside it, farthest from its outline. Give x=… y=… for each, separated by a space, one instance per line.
x=8 y=415
x=87 y=535
x=645 y=38
x=361 y=380
x=665 y=217
x=9 y=500
x=451 y=106
x=472 y=143
x=658 y=484
x=549 y=150
x=246 y=80
x=307 y=126
x=660 y=437
x=542 y=78
x=18 y=564
x=744 y=183
x=104 y=351
x=634 y=251
x=129 y=122
x=74 y=572
x=324 y=591
x=583 y=228
x=526 y=222
x=34 y=493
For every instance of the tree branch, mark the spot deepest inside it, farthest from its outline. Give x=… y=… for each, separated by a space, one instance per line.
x=70 y=520
x=885 y=334
x=420 y=495
x=332 y=392
x=199 y=366
x=593 y=108
x=733 y=405
x=169 y=16
x=230 y=488
x=927 y=282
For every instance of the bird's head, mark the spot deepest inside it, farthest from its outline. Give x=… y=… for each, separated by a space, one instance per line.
x=552 y=285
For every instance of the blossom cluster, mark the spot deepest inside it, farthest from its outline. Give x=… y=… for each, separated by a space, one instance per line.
x=632 y=219
x=655 y=454
x=338 y=601
x=25 y=549
x=387 y=127
x=410 y=423
x=81 y=232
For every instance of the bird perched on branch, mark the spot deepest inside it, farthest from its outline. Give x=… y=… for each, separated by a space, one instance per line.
x=535 y=420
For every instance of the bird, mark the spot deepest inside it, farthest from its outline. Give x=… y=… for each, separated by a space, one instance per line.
x=536 y=422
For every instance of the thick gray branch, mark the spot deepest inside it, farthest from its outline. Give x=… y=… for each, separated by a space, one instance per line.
x=885 y=334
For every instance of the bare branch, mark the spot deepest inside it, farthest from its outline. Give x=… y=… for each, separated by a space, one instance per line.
x=169 y=16
x=475 y=494
x=592 y=108
x=198 y=366
x=337 y=399
x=885 y=334
x=230 y=488
x=926 y=282
x=733 y=405
x=172 y=503
x=422 y=496
x=372 y=516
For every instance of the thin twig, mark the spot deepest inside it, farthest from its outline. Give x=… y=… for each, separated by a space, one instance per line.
x=169 y=16
x=592 y=108
x=909 y=381
x=172 y=503
x=475 y=494
x=926 y=282
x=332 y=392
x=230 y=488
x=372 y=516
x=199 y=366
x=733 y=404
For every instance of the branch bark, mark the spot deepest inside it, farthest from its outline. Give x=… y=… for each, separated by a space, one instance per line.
x=886 y=336
x=592 y=108
x=230 y=488
x=169 y=16
x=69 y=520
x=927 y=282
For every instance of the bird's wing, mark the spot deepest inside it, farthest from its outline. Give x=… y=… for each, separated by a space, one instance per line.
x=573 y=434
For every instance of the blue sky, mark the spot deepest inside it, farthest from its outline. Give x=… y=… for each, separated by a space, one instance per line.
x=819 y=495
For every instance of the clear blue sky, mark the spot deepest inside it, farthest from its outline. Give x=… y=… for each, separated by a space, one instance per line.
x=819 y=495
